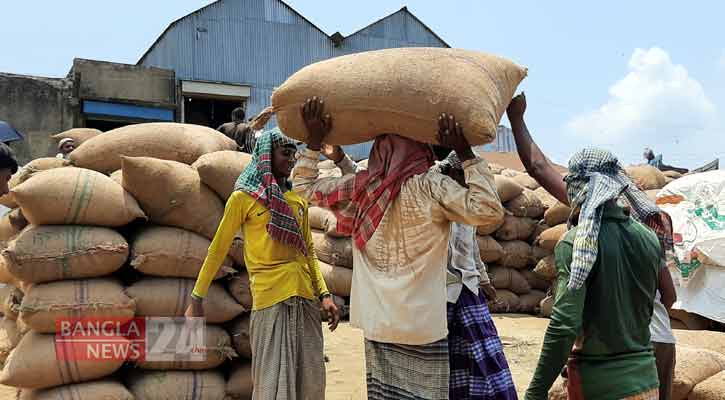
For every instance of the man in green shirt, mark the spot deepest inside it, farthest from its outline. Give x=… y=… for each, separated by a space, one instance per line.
x=608 y=272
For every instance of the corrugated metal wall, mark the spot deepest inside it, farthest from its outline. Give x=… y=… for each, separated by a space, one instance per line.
x=261 y=43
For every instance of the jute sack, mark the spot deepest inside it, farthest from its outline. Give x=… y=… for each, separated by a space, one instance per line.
x=527 y=204
x=506 y=302
x=175 y=385
x=490 y=227
x=35 y=363
x=676 y=324
x=535 y=280
x=236 y=250
x=220 y=170
x=672 y=174
x=712 y=388
x=557 y=214
x=11 y=297
x=646 y=177
x=530 y=301
x=508 y=278
x=546 y=268
x=79 y=135
x=338 y=279
x=693 y=366
x=538 y=230
x=515 y=228
x=517 y=254
x=5 y=275
x=558 y=390
x=652 y=194
x=172 y=252
x=103 y=389
x=693 y=321
x=169 y=297
x=426 y=82
x=708 y=340
x=507 y=188
x=50 y=253
x=240 y=384
x=218 y=349
x=317 y=218
x=9 y=337
x=172 y=194
x=511 y=173
x=75 y=196
x=238 y=287
x=28 y=171
x=538 y=254
x=546 y=306
x=489 y=248
x=239 y=331
x=550 y=237
x=526 y=181
x=11 y=224
x=496 y=169
x=46 y=303
x=334 y=251
x=168 y=141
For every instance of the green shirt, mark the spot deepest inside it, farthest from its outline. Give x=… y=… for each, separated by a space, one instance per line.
x=608 y=317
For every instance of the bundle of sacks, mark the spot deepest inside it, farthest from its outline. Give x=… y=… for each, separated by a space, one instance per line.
x=121 y=231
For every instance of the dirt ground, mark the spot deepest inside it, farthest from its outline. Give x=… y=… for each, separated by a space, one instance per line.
x=521 y=335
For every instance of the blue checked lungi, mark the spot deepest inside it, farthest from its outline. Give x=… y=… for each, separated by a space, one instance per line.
x=478 y=367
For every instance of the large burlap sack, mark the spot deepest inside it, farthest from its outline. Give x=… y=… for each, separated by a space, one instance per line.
x=168 y=141
x=490 y=227
x=535 y=280
x=238 y=287
x=324 y=220
x=546 y=199
x=526 y=181
x=511 y=173
x=240 y=384
x=546 y=268
x=652 y=194
x=11 y=224
x=46 y=303
x=236 y=250
x=517 y=254
x=672 y=174
x=105 y=389
x=507 y=188
x=527 y=204
x=239 y=331
x=334 y=251
x=220 y=170
x=489 y=248
x=10 y=335
x=5 y=275
x=550 y=237
x=646 y=177
x=506 y=302
x=172 y=252
x=26 y=172
x=558 y=390
x=538 y=230
x=515 y=228
x=79 y=135
x=172 y=194
x=508 y=278
x=50 y=253
x=676 y=324
x=693 y=321
x=338 y=279
x=10 y=299
x=708 y=340
x=694 y=366
x=557 y=214
x=75 y=196
x=425 y=83
x=712 y=388
x=218 y=349
x=537 y=254
x=546 y=306
x=169 y=297
x=530 y=301
x=175 y=385
x=34 y=363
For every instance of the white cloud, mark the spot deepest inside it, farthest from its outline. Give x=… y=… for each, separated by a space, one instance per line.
x=656 y=104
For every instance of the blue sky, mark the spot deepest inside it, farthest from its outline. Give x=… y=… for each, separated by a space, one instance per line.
x=616 y=74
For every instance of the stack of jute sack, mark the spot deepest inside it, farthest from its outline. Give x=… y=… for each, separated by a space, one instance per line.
x=129 y=244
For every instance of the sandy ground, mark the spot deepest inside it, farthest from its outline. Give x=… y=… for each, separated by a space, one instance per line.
x=521 y=336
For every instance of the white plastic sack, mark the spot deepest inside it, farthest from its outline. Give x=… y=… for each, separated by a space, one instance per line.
x=704 y=294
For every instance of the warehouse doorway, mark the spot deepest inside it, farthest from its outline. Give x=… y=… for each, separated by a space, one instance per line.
x=211 y=104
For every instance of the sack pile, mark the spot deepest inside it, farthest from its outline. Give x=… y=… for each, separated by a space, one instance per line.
x=80 y=243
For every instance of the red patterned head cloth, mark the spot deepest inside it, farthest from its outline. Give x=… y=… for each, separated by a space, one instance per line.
x=393 y=160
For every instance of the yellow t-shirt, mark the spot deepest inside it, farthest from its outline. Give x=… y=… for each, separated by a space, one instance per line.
x=276 y=271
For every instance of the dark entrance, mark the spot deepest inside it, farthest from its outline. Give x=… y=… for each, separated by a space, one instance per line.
x=208 y=111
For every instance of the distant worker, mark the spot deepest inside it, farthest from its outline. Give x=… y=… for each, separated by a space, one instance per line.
x=656 y=161
x=239 y=131
x=8 y=166
x=65 y=147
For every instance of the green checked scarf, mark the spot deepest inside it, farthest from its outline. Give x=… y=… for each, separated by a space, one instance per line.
x=258 y=181
x=595 y=177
